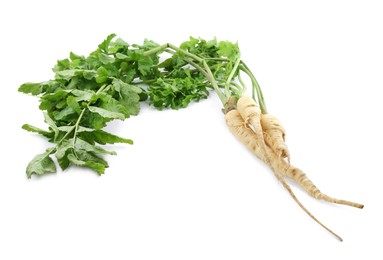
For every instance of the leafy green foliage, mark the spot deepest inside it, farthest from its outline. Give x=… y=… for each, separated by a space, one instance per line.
x=34 y=129
x=177 y=92
x=181 y=82
x=88 y=92
x=85 y=94
x=41 y=164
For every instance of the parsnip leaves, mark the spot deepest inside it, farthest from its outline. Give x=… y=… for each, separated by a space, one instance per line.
x=85 y=94
x=41 y=164
x=88 y=92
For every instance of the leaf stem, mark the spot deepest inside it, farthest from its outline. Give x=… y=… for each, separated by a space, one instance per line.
x=195 y=65
x=255 y=87
x=212 y=80
x=231 y=75
x=242 y=82
x=234 y=87
x=76 y=125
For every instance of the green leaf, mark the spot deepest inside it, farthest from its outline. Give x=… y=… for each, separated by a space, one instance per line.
x=121 y=56
x=62 y=152
x=168 y=63
x=68 y=74
x=111 y=104
x=102 y=75
x=118 y=45
x=129 y=75
x=120 y=42
x=60 y=105
x=145 y=64
x=71 y=128
x=105 y=44
x=34 y=129
x=119 y=85
x=98 y=167
x=212 y=43
x=148 y=44
x=62 y=65
x=92 y=61
x=190 y=45
x=31 y=88
x=105 y=59
x=83 y=145
x=51 y=124
x=75 y=57
x=82 y=95
x=94 y=120
x=229 y=50
x=131 y=100
x=62 y=149
x=178 y=92
x=41 y=164
x=64 y=113
x=106 y=113
x=129 y=96
x=72 y=103
x=50 y=86
x=52 y=100
x=56 y=96
x=64 y=163
x=88 y=160
x=89 y=74
x=103 y=137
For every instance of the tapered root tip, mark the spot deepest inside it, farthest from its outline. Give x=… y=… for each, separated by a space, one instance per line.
x=353 y=204
x=332 y=232
x=347 y=203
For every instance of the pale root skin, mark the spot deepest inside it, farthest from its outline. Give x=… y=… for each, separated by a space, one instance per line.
x=270 y=157
x=251 y=114
x=280 y=167
x=274 y=135
x=247 y=136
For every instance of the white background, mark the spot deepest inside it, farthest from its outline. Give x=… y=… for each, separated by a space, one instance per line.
x=187 y=189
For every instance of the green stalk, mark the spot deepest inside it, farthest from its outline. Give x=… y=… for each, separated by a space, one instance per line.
x=242 y=82
x=212 y=80
x=236 y=89
x=255 y=87
x=195 y=65
x=231 y=75
x=76 y=125
x=156 y=49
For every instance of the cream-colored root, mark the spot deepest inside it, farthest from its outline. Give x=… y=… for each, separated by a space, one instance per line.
x=281 y=166
x=236 y=125
x=251 y=114
x=301 y=178
x=274 y=134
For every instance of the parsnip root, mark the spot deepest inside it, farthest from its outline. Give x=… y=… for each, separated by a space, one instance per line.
x=274 y=134
x=280 y=167
x=251 y=114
